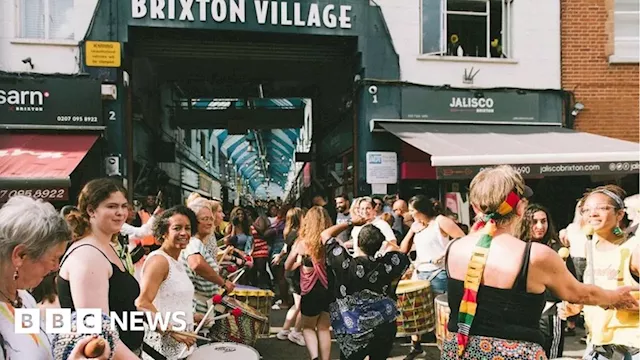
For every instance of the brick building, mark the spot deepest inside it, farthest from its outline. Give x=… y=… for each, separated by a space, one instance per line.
x=600 y=64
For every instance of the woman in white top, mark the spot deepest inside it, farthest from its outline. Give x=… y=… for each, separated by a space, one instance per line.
x=431 y=232
x=166 y=289
x=368 y=211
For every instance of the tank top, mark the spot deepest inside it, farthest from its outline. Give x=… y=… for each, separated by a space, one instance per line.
x=430 y=245
x=509 y=314
x=123 y=291
x=611 y=270
x=175 y=295
x=308 y=279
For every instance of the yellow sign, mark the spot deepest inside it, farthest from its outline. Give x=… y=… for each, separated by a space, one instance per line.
x=102 y=53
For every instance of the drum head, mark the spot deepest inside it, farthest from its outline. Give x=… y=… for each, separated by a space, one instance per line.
x=246 y=309
x=408 y=286
x=224 y=350
x=442 y=299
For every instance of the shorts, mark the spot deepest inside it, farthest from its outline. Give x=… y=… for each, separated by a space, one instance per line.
x=315 y=301
x=438 y=284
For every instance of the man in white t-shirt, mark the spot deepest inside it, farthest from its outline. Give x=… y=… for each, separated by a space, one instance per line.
x=368 y=211
x=342 y=216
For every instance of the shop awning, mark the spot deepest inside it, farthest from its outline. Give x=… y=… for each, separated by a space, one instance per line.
x=461 y=150
x=39 y=165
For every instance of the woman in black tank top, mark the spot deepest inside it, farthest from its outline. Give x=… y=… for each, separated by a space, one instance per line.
x=91 y=264
x=497 y=282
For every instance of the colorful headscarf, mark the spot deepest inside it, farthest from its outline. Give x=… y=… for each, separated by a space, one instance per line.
x=473 y=278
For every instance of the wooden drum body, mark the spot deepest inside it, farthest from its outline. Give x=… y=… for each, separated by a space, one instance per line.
x=442 y=319
x=415 y=304
x=243 y=329
x=258 y=299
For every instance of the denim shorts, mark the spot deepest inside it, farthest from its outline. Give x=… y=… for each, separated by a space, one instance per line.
x=438 y=284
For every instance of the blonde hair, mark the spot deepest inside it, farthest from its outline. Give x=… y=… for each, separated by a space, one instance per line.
x=355 y=206
x=293 y=220
x=199 y=203
x=315 y=222
x=214 y=205
x=192 y=197
x=489 y=189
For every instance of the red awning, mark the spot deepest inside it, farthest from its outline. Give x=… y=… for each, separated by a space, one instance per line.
x=39 y=165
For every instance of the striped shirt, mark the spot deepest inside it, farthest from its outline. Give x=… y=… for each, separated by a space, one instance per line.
x=260 y=246
x=204 y=289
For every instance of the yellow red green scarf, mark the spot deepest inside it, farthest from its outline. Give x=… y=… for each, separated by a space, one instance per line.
x=473 y=278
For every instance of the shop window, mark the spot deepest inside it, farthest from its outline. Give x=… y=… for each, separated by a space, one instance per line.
x=626 y=18
x=203 y=146
x=475 y=28
x=46 y=19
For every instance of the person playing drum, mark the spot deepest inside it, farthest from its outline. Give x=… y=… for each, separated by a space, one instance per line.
x=364 y=312
x=497 y=282
x=431 y=232
x=165 y=285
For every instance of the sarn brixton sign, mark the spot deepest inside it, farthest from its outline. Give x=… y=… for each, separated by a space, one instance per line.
x=250 y=14
x=50 y=101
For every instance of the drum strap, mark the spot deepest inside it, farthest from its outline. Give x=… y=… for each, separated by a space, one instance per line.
x=475 y=269
x=152 y=352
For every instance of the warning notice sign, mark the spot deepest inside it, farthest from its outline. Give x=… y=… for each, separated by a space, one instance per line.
x=102 y=53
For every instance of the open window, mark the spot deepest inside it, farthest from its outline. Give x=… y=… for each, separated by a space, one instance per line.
x=475 y=28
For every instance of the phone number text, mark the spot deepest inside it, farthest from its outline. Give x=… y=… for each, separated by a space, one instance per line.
x=47 y=194
x=84 y=119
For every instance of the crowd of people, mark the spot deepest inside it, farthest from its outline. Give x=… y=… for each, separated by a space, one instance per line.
x=515 y=287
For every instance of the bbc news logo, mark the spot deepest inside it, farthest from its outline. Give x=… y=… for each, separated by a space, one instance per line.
x=89 y=321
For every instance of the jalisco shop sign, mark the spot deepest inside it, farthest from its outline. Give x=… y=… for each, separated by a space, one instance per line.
x=538 y=170
x=257 y=13
x=50 y=101
x=420 y=103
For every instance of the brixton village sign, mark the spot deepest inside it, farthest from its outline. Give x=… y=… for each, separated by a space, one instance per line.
x=281 y=13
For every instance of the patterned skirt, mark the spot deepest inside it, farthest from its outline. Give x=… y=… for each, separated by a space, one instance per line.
x=489 y=348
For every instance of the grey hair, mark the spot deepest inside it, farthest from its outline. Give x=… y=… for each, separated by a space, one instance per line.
x=199 y=204
x=33 y=223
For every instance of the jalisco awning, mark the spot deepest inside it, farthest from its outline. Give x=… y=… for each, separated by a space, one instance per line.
x=461 y=150
x=39 y=165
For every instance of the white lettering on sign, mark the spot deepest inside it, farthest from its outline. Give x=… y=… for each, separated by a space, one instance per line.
x=23 y=100
x=276 y=12
x=474 y=103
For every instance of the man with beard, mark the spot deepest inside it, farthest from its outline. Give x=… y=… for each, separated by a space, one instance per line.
x=343 y=216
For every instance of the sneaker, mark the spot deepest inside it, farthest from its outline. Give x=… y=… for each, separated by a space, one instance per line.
x=283 y=334
x=296 y=338
x=414 y=353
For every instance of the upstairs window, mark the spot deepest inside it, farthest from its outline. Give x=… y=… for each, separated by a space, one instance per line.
x=46 y=19
x=474 y=28
x=626 y=26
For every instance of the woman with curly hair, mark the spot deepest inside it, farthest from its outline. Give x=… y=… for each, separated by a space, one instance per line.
x=308 y=255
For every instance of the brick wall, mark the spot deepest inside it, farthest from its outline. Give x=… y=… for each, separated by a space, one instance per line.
x=608 y=91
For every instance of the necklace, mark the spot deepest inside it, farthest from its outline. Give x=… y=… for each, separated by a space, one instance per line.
x=17 y=303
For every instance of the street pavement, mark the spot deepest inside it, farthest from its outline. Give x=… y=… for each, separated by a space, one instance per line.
x=273 y=349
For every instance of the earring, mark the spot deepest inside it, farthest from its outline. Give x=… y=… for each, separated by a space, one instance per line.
x=15 y=275
x=617 y=231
